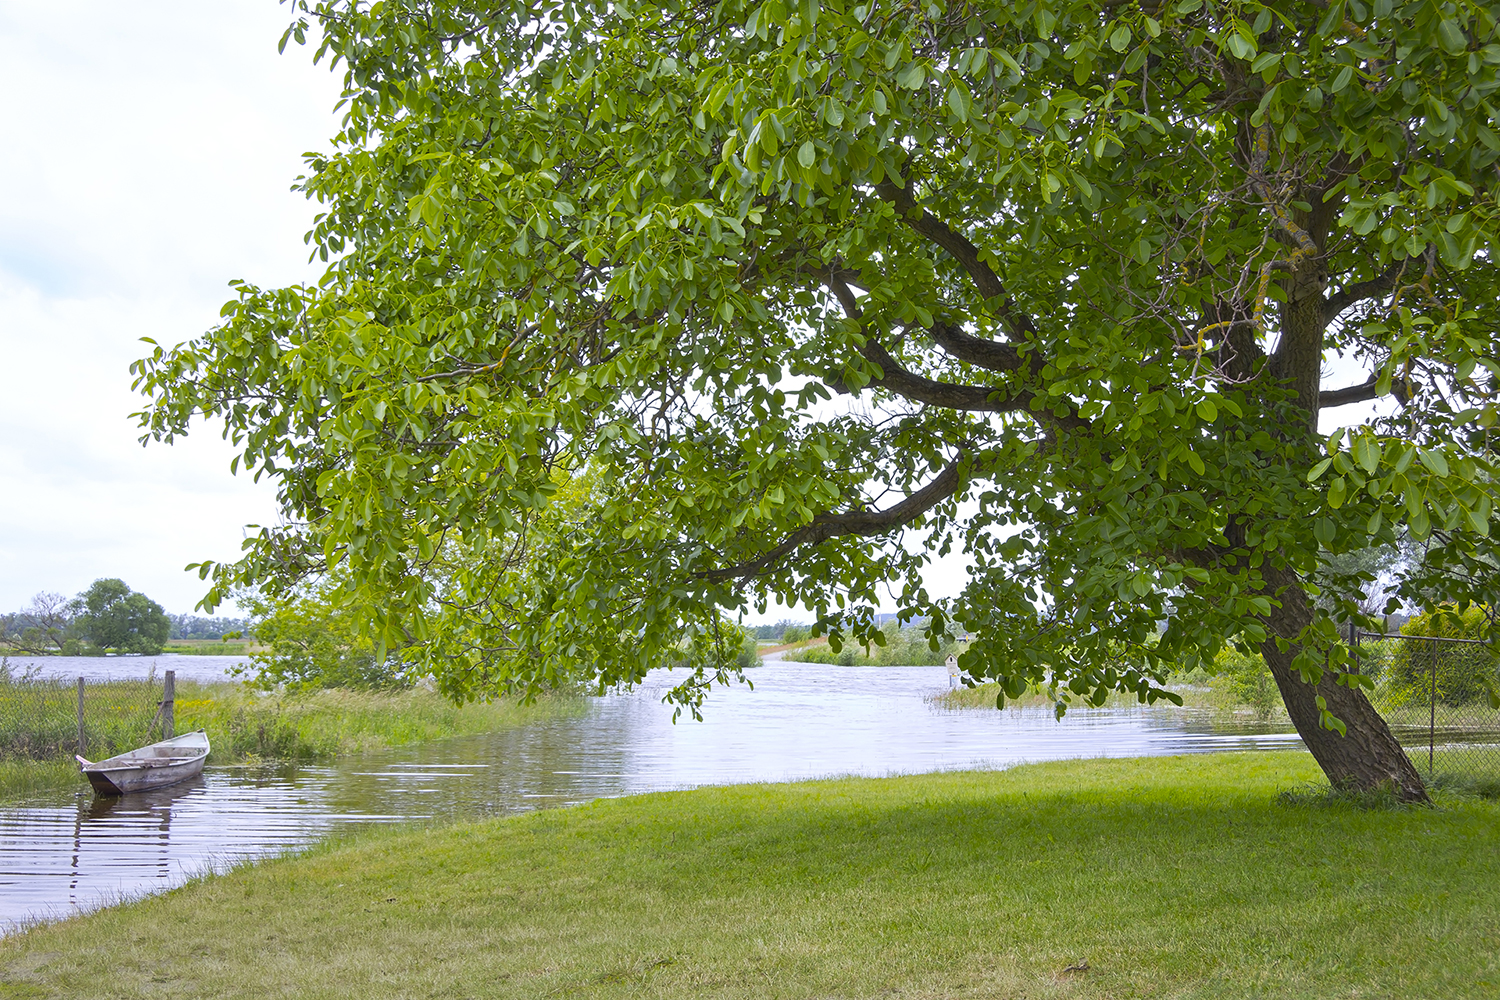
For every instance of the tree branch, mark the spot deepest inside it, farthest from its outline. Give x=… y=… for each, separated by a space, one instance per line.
x=919 y=388
x=1350 y=394
x=925 y=224
x=859 y=522
x=1358 y=292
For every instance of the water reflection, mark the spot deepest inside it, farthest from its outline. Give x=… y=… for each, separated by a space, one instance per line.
x=75 y=852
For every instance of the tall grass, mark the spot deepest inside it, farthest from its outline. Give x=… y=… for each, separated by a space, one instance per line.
x=247 y=725
x=39 y=729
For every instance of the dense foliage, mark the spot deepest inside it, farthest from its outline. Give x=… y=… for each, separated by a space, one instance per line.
x=306 y=642
x=816 y=291
x=1451 y=673
x=112 y=616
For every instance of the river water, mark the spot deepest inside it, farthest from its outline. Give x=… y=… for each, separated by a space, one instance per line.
x=71 y=852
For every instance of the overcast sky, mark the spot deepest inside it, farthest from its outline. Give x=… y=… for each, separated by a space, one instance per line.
x=146 y=158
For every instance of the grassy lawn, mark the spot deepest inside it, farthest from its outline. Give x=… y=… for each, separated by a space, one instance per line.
x=1168 y=877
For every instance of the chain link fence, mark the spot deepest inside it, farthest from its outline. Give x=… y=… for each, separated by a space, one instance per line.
x=1438 y=696
x=51 y=719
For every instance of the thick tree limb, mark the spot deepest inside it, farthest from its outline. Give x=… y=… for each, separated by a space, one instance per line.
x=858 y=522
x=919 y=388
x=1358 y=292
x=960 y=248
x=990 y=354
x=1349 y=394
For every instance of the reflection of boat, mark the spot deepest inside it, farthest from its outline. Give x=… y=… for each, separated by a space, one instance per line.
x=155 y=766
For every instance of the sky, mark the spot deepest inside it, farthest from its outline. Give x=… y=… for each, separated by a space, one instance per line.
x=147 y=156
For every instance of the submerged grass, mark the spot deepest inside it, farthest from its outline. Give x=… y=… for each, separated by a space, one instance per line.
x=243 y=725
x=248 y=725
x=1158 y=877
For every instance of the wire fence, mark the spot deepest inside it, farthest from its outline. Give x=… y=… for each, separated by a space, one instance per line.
x=1438 y=696
x=51 y=719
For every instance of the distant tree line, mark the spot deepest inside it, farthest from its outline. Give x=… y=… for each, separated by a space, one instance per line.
x=107 y=617
x=790 y=631
x=199 y=627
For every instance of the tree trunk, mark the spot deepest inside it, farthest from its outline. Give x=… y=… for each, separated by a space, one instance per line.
x=1367 y=758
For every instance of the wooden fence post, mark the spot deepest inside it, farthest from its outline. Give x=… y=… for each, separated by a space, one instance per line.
x=82 y=744
x=168 y=696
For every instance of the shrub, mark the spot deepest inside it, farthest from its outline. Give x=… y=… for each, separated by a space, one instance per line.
x=1249 y=680
x=1464 y=672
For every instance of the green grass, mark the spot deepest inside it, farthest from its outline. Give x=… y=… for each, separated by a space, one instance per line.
x=1170 y=877
x=247 y=725
x=21 y=779
x=207 y=647
x=38 y=725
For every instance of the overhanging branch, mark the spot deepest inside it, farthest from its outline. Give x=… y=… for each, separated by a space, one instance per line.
x=1360 y=291
x=918 y=388
x=859 y=522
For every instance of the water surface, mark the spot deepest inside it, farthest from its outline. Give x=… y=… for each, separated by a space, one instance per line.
x=106 y=668
x=72 y=852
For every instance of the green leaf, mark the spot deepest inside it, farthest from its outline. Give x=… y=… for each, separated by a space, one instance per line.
x=1317 y=471
x=958 y=102
x=1336 y=492
x=1207 y=410
x=1452 y=38
x=807 y=154
x=1435 y=462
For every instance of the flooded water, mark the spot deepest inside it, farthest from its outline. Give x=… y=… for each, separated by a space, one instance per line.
x=104 y=668
x=73 y=852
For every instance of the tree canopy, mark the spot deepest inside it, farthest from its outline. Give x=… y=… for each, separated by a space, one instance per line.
x=806 y=293
x=112 y=616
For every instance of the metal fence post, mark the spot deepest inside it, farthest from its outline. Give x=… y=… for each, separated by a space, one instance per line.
x=82 y=743
x=168 y=696
x=1432 y=712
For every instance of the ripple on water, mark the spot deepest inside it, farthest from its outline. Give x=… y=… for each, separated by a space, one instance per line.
x=73 y=852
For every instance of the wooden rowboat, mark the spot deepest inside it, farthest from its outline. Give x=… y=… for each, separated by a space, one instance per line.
x=155 y=766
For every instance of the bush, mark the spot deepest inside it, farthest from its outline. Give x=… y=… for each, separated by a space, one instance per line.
x=1249 y=680
x=904 y=647
x=1465 y=672
x=310 y=643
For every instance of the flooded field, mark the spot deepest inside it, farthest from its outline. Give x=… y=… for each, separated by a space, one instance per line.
x=72 y=852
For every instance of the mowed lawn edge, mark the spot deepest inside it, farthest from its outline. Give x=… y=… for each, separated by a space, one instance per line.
x=1151 y=877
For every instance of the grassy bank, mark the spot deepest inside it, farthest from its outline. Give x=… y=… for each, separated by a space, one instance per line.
x=1166 y=877
x=1215 y=694
x=210 y=647
x=243 y=725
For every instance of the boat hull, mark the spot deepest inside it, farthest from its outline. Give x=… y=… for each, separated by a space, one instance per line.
x=122 y=781
x=156 y=766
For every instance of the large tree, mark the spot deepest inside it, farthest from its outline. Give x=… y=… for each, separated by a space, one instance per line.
x=112 y=616
x=814 y=291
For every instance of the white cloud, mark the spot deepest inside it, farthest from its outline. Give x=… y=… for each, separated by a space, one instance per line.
x=147 y=159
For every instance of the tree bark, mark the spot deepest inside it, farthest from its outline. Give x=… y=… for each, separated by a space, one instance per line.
x=1367 y=757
